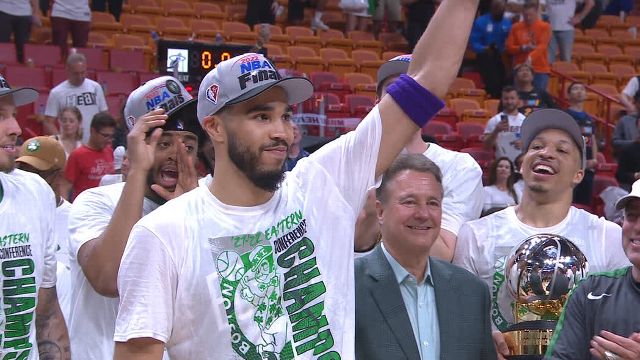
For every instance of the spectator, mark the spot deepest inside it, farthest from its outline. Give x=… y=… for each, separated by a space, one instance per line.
x=500 y=192
x=70 y=16
x=503 y=130
x=400 y=281
x=45 y=157
x=91 y=161
x=16 y=17
x=577 y=94
x=629 y=165
x=514 y=9
x=488 y=38
x=36 y=325
x=418 y=14
x=600 y=319
x=628 y=95
x=389 y=11
x=162 y=149
x=563 y=19
x=70 y=124
x=552 y=166
x=296 y=152
x=78 y=91
x=295 y=13
x=531 y=97
x=261 y=12
x=461 y=179
x=626 y=131
x=357 y=15
x=115 y=7
x=518 y=181
x=528 y=42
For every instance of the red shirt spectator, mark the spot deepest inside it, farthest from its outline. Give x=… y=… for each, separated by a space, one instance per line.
x=89 y=163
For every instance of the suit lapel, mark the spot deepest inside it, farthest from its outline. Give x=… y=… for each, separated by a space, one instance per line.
x=446 y=299
x=386 y=293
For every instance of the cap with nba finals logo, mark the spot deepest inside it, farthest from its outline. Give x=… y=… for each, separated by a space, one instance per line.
x=164 y=92
x=21 y=96
x=243 y=77
x=395 y=66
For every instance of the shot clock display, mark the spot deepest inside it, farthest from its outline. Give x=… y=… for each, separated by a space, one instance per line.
x=194 y=59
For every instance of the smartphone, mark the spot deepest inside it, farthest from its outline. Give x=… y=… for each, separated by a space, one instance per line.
x=504 y=118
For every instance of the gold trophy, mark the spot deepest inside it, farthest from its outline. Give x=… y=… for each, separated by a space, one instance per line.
x=540 y=273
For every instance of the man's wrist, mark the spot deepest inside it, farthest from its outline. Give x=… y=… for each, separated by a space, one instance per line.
x=373 y=246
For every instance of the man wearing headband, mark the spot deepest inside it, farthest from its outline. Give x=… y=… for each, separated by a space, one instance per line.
x=31 y=320
x=162 y=146
x=259 y=264
x=552 y=166
x=461 y=180
x=601 y=317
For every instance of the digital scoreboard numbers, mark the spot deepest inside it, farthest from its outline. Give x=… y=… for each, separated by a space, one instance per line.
x=194 y=60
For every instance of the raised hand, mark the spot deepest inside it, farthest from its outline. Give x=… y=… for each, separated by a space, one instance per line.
x=141 y=153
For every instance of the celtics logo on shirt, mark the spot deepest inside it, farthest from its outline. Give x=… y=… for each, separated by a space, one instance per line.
x=274 y=300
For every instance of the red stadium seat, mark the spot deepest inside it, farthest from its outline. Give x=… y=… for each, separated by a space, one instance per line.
x=115 y=103
x=8 y=54
x=43 y=55
x=96 y=58
x=435 y=127
x=481 y=155
x=19 y=75
x=359 y=105
x=321 y=77
x=117 y=83
x=128 y=60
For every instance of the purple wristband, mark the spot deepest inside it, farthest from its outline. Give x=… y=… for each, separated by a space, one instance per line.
x=418 y=103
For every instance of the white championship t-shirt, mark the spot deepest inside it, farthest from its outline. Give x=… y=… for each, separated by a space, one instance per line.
x=27 y=259
x=273 y=281
x=63 y=278
x=87 y=97
x=506 y=140
x=16 y=7
x=485 y=244
x=93 y=316
x=71 y=9
x=494 y=197
x=462 y=185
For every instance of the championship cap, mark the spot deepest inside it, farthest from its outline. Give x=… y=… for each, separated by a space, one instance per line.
x=168 y=93
x=21 y=96
x=395 y=66
x=544 y=119
x=43 y=153
x=243 y=77
x=634 y=194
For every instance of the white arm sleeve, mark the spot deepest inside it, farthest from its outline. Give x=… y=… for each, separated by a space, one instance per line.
x=88 y=218
x=147 y=283
x=351 y=159
x=464 y=197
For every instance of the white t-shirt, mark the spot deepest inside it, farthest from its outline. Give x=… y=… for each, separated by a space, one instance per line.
x=71 y=9
x=205 y=181
x=110 y=179
x=27 y=258
x=93 y=316
x=485 y=244
x=560 y=13
x=632 y=87
x=494 y=197
x=214 y=281
x=87 y=97
x=505 y=140
x=61 y=234
x=16 y=7
x=462 y=185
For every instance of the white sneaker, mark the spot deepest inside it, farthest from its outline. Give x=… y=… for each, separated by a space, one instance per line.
x=318 y=25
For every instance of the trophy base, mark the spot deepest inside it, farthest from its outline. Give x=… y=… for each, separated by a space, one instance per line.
x=530 y=339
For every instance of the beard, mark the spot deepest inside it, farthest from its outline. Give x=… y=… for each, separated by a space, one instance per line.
x=9 y=166
x=248 y=163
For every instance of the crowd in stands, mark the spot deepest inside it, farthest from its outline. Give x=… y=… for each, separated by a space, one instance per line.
x=154 y=229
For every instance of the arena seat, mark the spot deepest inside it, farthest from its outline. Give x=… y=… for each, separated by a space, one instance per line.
x=42 y=54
